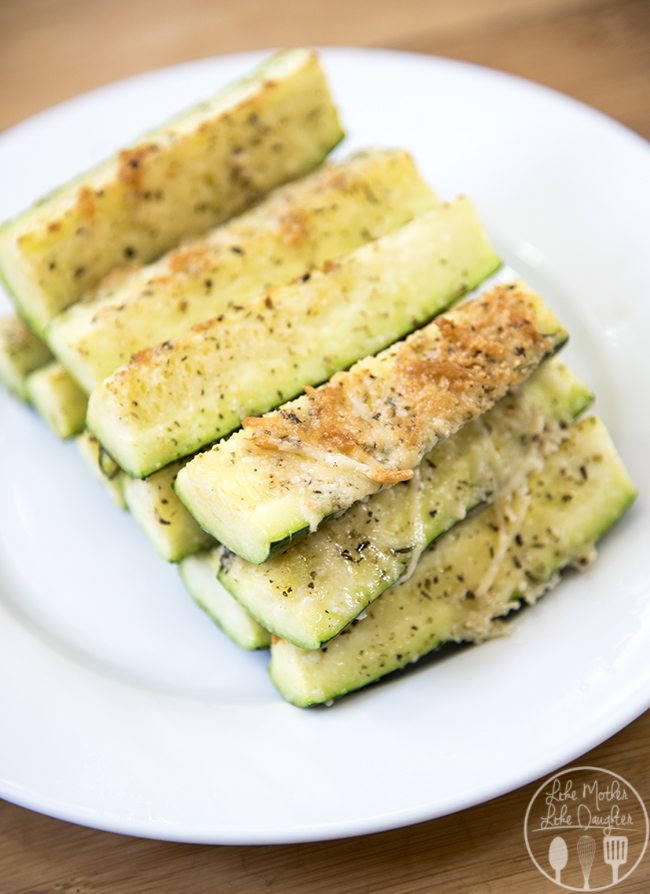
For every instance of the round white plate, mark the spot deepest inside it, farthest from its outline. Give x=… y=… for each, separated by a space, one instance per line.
x=123 y=708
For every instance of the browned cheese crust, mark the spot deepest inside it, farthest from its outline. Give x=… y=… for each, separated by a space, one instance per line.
x=384 y=415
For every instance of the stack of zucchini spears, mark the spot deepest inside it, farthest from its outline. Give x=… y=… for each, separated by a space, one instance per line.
x=263 y=359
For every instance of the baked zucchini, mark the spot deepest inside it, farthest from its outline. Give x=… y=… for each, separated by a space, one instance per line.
x=155 y=507
x=300 y=226
x=89 y=450
x=312 y=591
x=165 y=521
x=484 y=567
x=204 y=166
x=199 y=574
x=367 y=428
x=21 y=352
x=171 y=400
x=58 y=399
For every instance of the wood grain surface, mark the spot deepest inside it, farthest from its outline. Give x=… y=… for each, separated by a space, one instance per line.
x=477 y=851
x=596 y=51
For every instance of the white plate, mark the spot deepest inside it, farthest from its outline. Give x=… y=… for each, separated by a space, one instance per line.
x=123 y=708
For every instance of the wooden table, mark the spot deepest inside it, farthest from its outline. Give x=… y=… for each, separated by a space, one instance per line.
x=596 y=50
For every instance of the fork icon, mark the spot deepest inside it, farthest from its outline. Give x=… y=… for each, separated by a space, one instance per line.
x=615 y=853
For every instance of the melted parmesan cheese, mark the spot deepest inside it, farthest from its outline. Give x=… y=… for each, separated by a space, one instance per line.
x=384 y=414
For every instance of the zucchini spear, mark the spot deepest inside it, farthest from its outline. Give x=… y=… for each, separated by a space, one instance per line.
x=21 y=352
x=174 y=399
x=165 y=521
x=367 y=428
x=312 y=591
x=58 y=399
x=199 y=574
x=299 y=226
x=506 y=554
x=29 y=371
x=204 y=166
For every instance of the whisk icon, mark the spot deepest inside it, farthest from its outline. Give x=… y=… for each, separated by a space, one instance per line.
x=586 y=854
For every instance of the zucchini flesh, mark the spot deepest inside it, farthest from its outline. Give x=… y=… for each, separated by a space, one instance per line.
x=58 y=399
x=21 y=352
x=89 y=449
x=165 y=521
x=197 y=170
x=312 y=591
x=199 y=574
x=171 y=400
x=484 y=567
x=369 y=427
x=300 y=226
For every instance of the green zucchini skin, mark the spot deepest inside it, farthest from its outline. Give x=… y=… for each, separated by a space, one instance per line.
x=89 y=450
x=250 y=498
x=167 y=524
x=311 y=592
x=109 y=468
x=296 y=228
x=21 y=353
x=478 y=572
x=174 y=399
x=199 y=575
x=196 y=171
x=58 y=400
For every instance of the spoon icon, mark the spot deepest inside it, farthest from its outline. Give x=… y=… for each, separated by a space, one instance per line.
x=558 y=856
